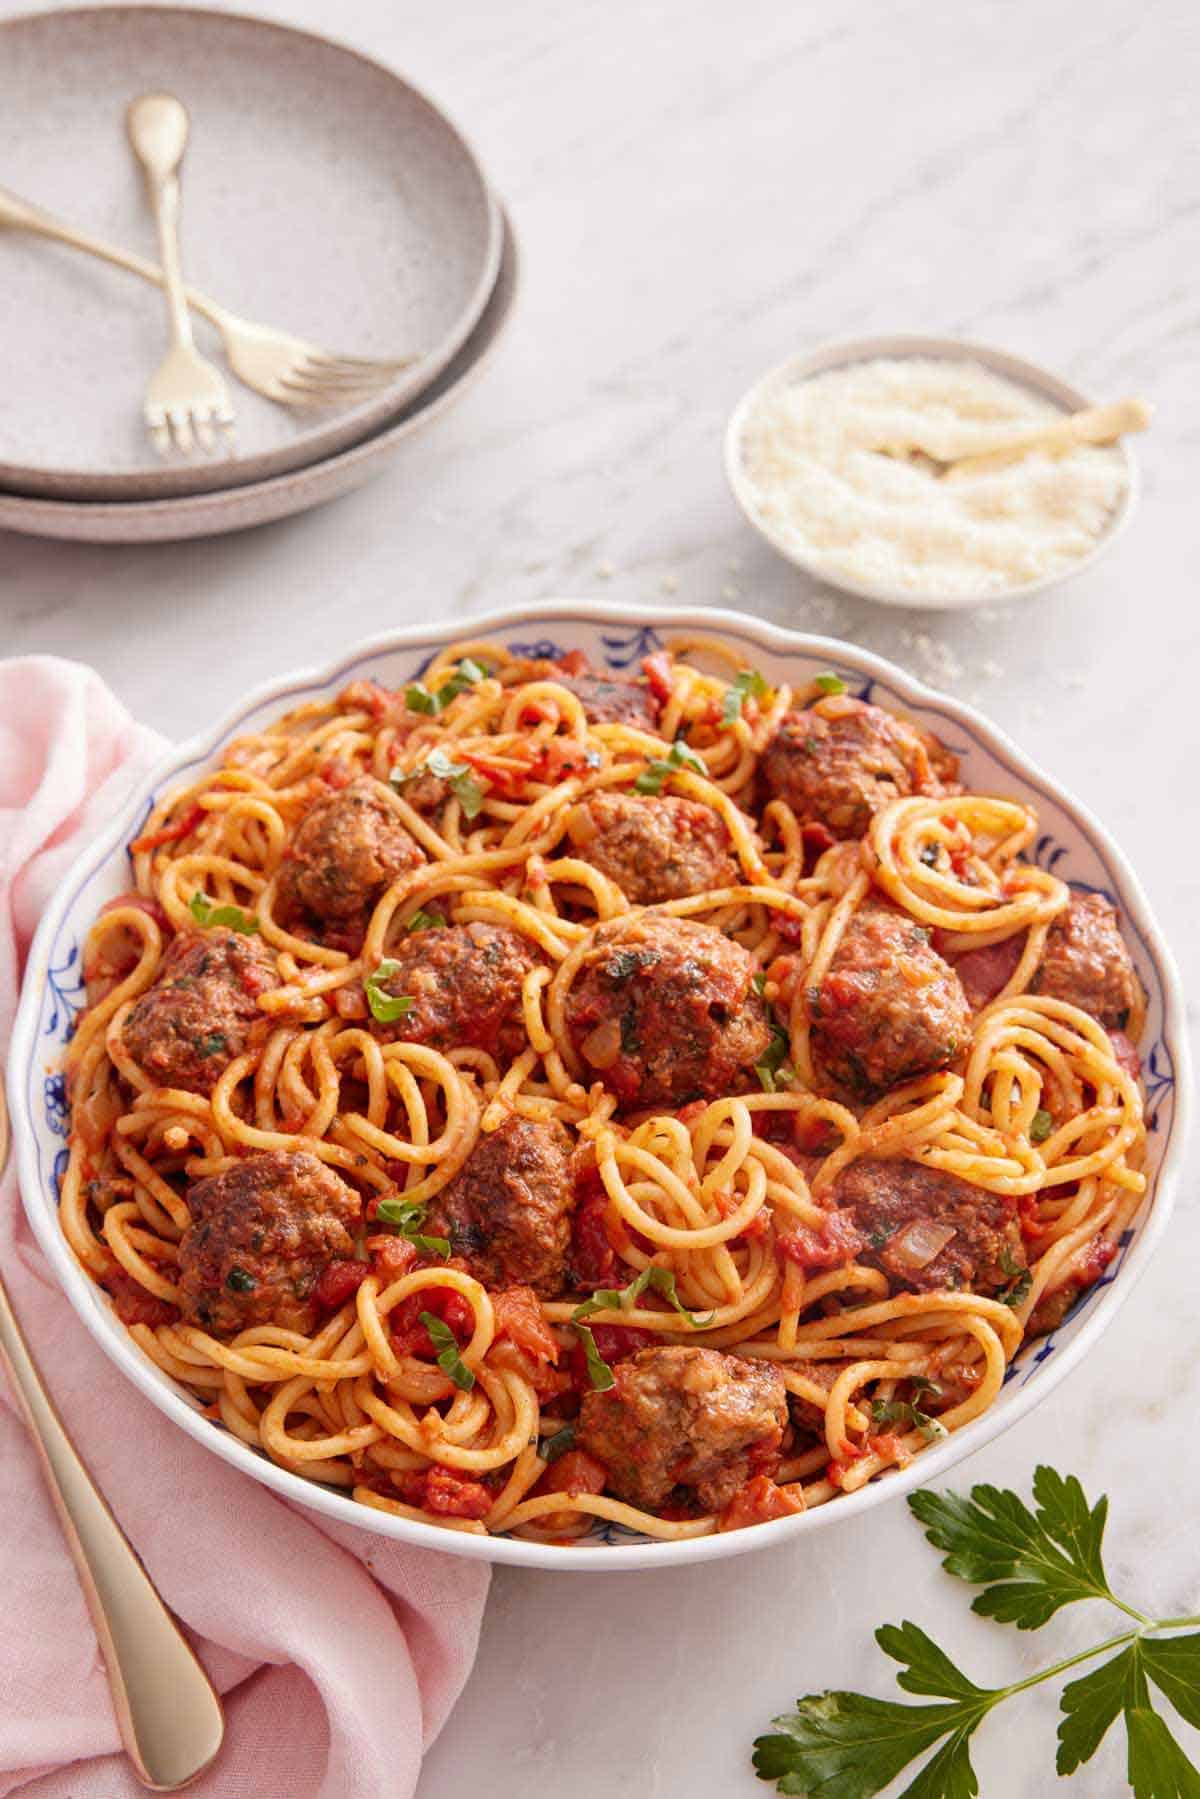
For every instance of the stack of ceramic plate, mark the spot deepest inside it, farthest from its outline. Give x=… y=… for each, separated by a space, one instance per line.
x=322 y=194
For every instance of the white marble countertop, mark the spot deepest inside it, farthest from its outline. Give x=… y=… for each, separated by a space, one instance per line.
x=699 y=192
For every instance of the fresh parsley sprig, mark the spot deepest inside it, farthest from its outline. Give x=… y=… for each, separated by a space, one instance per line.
x=617 y=1299
x=387 y=1007
x=458 y=776
x=680 y=755
x=448 y=1358
x=233 y=918
x=419 y=698
x=841 y=1745
x=746 y=684
x=405 y=1217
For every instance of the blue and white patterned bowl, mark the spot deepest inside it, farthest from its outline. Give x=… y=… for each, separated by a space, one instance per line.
x=1072 y=843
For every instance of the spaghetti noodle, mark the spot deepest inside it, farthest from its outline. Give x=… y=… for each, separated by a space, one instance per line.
x=530 y=1098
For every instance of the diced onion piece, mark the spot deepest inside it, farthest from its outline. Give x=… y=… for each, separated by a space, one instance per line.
x=602 y=1046
x=581 y=826
x=919 y=1242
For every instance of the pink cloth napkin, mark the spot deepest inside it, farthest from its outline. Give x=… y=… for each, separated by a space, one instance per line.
x=340 y=1654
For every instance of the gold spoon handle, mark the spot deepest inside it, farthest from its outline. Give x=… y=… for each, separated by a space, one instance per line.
x=1092 y=425
x=169 y=1717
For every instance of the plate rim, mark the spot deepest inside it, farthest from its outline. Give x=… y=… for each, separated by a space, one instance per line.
x=24 y=512
x=841 y=352
x=342 y=430
x=932 y=1463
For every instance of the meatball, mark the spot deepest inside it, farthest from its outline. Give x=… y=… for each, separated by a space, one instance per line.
x=683 y=1417
x=612 y=699
x=889 y=1008
x=346 y=850
x=928 y=1229
x=654 y=849
x=202 y=1009
x=666 y=1011
x=262 y=1233
x=465 y=981
x=839 y=762
x=507 y=1210
x=1085 y=962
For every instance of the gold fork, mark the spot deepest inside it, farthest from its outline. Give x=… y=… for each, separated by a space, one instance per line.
x=277 y=365
x=169 y=1717
x=187 y=396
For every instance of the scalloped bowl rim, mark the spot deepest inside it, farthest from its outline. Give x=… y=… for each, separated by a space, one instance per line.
x=41 y=1209
x=840 y=353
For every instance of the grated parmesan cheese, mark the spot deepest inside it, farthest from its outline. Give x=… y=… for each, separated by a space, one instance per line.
x=813 y=455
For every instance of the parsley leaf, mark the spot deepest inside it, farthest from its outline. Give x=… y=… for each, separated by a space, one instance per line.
x=1041 y=1126
x=387 y=1007
x=425 y=921
x=840 y=1745
x=1020 y=1279
x=459 y=776
x=774 y=1067
x=1029 y=1563
x=907 y=1411
x=829 y=683
x=405 y=1217
x=744 y=684
x=550 y=1448
x=205 y=913
x=613 y=1299
x=599 y=1372
x=448 y=1358
x=681 y=755
x=418 y=698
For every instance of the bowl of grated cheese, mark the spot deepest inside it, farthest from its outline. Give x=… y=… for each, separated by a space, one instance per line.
x=837 y=457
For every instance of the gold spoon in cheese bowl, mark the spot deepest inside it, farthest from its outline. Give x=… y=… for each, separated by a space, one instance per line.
x=1091 y=425
x=168 y=1714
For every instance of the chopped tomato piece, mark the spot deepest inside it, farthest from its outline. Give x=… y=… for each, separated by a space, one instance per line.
x=593 y=1258
x=391 y=1256
x=338 y=1281
x=519 y=1318
x=575 y=1472
x=445 y=1492
x=757 y=1501
x=183 y=827
x=615 y=1342
x=1031 y=1226
x=573 y=663
x=1126 y=1054
x=141 y=902
x=134 y=1304
x=349 y=1002
x=839 y=1240
x=410 y=1337
x=337 y=773
x=659 y=676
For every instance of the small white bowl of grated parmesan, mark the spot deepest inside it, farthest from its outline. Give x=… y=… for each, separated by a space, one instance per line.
x=837 y=458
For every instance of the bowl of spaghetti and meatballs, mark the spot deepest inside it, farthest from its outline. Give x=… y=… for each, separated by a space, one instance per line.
x=596 y=1095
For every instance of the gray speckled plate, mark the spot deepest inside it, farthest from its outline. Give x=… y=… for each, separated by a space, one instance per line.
x=259 y=502
x=321 y=193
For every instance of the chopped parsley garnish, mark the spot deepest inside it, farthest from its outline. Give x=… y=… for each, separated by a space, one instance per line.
x=387 y=1007
x=830 y=683
x=405 y=1217
x=681 y=755
x=616 y=1299
x=459 y=777
x=774 y=1069
x=206 y=913
x=448 y=1358
x=1020 y=1279
x=238 y=1280
x=550 y=1448
x=425 y=921
x=212 y=1045
x=907 y=1411
x=931 y=855
x=748 y=682
x=845 y=1745
x=1041 y=1126
x=760 y=980
x=599 y=1372
x=418 y=698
